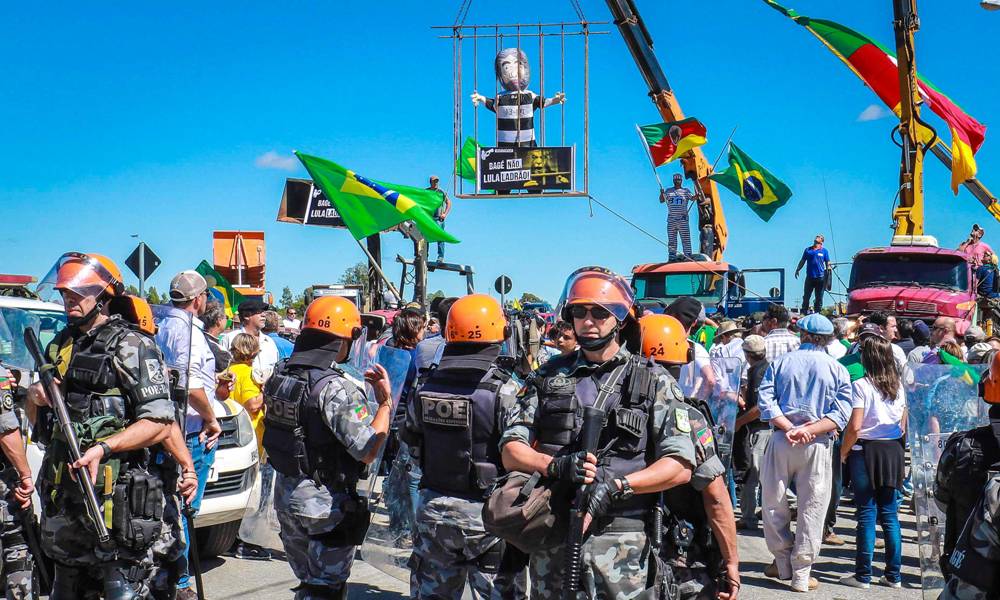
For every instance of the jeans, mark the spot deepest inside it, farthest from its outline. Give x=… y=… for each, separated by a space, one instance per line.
x=817 y=285
x=751 y=477
x=883 y=504
x=836 y=489
x=440 y=256
x=402 y=490
x=203 y=460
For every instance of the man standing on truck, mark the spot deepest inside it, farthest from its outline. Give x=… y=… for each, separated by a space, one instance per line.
x=980 y=256
x=442 y=211
x=817 y=261
x=678 y=200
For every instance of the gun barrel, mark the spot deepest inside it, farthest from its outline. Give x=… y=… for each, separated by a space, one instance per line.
x=66 y=426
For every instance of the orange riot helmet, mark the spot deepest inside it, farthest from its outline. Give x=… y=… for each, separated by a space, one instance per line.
x=87 y=275
x=476 y=318
x=597 y=286
x=665 y=340
x=333 y=315
x=135 y=310
x=991 y=383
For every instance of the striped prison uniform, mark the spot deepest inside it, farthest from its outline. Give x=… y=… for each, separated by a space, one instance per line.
x=677 y=220
x=515 y=117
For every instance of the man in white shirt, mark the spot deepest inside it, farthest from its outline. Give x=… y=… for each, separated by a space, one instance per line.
x=291 y=320
x=728 y=343
x=251 y=312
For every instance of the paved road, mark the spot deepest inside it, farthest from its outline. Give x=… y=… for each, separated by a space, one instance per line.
x=230 y=578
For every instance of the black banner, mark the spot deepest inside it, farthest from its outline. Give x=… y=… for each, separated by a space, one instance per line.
x=305 y=203
x=525 y=168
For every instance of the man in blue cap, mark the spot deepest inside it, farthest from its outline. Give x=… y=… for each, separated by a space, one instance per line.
x=806 y=397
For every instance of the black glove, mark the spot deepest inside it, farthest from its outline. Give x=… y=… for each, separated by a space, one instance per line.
x=599 y=496
x=568 y=467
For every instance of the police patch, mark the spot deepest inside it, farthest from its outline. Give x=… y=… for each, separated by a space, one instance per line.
x=446 y=412
x=155 y=370
x=361 y=412
x=681 y=419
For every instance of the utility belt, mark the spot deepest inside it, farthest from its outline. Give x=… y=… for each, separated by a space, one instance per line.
x=619 y=525
x=353 y=528
x=335 y=481
x=129 y=493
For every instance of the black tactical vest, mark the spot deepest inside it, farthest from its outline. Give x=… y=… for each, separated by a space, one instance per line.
x=963 y=470
x=297 y=438
x=625 y=440
x=91 y=380
x=458 y=413
x=965 y=562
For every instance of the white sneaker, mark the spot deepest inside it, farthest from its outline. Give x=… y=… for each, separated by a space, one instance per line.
x=893 y=584
x=854 y=582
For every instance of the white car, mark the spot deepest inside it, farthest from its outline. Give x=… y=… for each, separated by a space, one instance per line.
x=234 y=480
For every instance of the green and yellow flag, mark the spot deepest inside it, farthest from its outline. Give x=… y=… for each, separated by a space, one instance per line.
x=746 y=178
x=219 y=288
x=368 y=206
x=466 y=164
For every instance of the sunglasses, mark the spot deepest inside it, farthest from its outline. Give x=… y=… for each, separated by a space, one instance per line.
x=597 y=312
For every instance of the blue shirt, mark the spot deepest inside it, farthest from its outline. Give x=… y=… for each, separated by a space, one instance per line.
x=804 y=386
x=428 y=351
x=816 y=261
x=284 y=346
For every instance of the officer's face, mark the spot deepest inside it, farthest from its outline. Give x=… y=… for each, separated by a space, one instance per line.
x=591 y=326
x=75 y=305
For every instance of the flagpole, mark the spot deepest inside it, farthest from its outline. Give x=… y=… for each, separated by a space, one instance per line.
x=726 y=145
x=378 y=268
x=650 y=155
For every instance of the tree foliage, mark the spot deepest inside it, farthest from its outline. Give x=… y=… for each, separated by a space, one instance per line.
x=529 y=297
x=356 y=274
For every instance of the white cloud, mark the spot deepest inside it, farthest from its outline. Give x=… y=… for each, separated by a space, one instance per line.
x=874 y=112
x=273 y=160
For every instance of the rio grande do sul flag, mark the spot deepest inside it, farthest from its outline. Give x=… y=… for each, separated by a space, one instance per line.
x=667 y=141
x=876 y=66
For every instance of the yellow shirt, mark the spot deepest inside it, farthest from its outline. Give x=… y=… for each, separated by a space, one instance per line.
x=244 y=389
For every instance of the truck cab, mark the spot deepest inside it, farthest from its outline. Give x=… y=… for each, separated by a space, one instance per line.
x=914 y=280
x=725 y=289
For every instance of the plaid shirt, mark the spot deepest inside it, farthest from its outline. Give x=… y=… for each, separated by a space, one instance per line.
x=779 y=342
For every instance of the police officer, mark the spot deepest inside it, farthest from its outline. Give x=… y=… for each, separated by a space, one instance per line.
x=968 y=491
x=700 y=541
x=647 y=441
x=16 y=488
x=455 y=419
x=115 y=385
x=319 y=432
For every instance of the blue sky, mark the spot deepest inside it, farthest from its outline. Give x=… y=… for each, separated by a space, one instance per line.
x=172 y=121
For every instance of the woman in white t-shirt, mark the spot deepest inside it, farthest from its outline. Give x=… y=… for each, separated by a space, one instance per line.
x=873 y=451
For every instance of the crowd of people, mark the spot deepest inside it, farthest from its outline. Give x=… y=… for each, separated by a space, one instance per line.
x=475 y=428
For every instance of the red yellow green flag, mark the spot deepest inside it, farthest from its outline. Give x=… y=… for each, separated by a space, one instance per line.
x=667 y=141
x=876 y=66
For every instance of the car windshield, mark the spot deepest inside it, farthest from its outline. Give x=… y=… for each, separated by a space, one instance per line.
x=13 y=322
x=923 y=270
x=706 y=287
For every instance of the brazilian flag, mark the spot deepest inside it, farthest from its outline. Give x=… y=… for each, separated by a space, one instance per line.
x=465 y=166
x=746 y=178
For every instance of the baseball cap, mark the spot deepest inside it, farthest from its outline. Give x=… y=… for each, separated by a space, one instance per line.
x=978 y=352
x=921 y=328
x=686 y=310
x=975 y=333
x=872 y=329
x=187 y=285
x=815 y=323
x=251 y=306
x=754 y=344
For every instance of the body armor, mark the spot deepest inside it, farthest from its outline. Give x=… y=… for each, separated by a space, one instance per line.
x=625 y=441
x=458 y=413
x=91 y=380
x=298 y=440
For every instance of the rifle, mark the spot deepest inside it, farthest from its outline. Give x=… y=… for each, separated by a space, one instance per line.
x=593 y=423
x=82 y=476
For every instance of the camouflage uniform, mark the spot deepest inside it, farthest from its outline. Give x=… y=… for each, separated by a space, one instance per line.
x=67 y=536
x=450 y=538
x=309 y=511
x=983 y=531
x=615 y=564
x=168 y=556
x=17 y=559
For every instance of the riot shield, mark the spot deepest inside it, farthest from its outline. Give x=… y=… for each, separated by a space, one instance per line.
x=723 y=402
x=388 y=543
x=941 y=400
x=13 y=323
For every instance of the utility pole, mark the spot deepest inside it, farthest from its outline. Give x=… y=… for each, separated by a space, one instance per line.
x=375 y=286
x=908 y=218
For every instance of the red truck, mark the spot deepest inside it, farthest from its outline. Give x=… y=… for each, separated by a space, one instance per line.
x=913 y=281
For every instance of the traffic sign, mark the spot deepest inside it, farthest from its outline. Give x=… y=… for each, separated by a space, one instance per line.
x=503 y=285
x=143 y=261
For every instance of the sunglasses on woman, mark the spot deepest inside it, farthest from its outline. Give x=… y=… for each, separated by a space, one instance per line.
x=597 y=312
